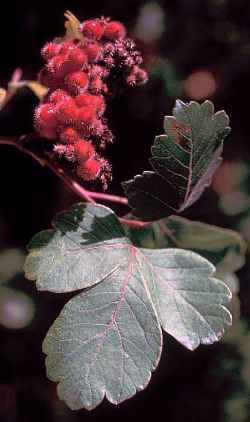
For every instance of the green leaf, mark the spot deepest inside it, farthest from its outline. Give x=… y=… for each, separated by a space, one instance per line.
x=61 y=260
x=73 y=27
x=190 y=302
x=184 y=161
x=107 y=340
x=225 y=248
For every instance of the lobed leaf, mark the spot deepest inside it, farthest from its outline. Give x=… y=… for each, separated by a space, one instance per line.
x=223 y=247
x=184 y=161
x=107 y=340
x=60 y=260
x=190 y=302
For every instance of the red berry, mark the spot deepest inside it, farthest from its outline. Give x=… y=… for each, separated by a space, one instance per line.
x=58 y=66
x=66 y=111
x=86 y=116
x=66 y=151
x=109 y=62
x=67 y=47
x=48 y=133
x=69 y=136
x=76 y=59
x=50 y=50
x=89 y=170
x=96 y=86
x=138 y=76
x=88 y=100
x=97 y=71
x=93 y=29
x=45 y=116
x=93 y=52
x=105 y=89
x=98 y=128
x=77 y=81
x=114 y=30
x=58 y=95
x=83 y=150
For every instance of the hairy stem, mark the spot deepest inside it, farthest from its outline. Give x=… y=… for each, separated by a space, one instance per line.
x=89 y=196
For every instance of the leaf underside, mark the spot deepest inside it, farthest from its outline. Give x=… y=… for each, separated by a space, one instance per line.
x=184 y=161
x=107 y=340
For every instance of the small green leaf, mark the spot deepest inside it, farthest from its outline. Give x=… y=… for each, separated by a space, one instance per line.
x=73 y=28
x=184 y=161
x=107 y=340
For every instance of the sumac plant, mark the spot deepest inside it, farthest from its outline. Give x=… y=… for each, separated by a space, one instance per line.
x=137 y=275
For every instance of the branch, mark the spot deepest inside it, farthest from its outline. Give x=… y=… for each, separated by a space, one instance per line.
x=107 y=197
x=135 y=223
x=46 y=161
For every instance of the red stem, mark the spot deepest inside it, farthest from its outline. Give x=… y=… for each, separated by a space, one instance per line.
x=71 y=183
x=107 y=197
x=135 y=223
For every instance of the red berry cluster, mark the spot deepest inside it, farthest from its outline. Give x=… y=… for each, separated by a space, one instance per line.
x=79 y=75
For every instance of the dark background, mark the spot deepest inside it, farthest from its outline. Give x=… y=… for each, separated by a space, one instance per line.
x=212 y=36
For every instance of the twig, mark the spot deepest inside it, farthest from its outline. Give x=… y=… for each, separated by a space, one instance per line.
x=108 y=197
x=135 y=223
x=89 y=196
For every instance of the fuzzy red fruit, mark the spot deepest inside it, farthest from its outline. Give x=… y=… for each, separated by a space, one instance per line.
x=67 y=111
x=67 y=47
x=83 y=150
x=98 y=128
x=76 y=59
x=69 y=136
x=138 y=76
x=58 y=95
x=50 y=50
x=48 y=133
x=89 y=100
x=114 y=30
x=86 y=116
x=66 y=151
x=96 y=86
x=93 y=29
x=77 y=81
x=93 y=52
x=58 y=66
x=45 y=116
x=89 y=170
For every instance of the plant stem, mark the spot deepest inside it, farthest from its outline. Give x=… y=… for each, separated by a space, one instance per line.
x=135 y=223
x=89 y=196
x=107 y=197
x=73 y=185
x=16 y=142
